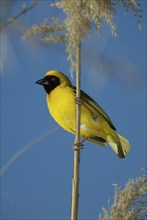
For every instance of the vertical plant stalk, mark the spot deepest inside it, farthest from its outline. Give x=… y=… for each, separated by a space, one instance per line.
x=76 y=165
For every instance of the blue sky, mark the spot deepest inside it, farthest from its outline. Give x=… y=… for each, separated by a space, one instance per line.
x=38 y=184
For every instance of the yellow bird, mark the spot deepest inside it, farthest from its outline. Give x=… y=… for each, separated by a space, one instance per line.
x=96 y=126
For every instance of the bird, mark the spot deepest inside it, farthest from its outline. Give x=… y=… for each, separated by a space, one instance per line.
x=95 y=124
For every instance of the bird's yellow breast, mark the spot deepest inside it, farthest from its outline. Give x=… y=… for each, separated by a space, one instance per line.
x=61 y=104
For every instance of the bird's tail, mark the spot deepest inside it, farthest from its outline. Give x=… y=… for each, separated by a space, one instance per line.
x=121 y=147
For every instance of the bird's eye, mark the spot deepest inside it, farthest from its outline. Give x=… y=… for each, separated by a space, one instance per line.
x=53 y=79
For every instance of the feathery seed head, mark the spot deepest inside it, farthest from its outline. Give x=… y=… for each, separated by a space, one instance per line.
x=130 y=202
x=82 y=16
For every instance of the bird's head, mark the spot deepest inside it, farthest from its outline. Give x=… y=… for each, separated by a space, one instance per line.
x=52 y=79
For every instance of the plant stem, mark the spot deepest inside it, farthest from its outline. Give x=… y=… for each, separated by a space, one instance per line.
x=76 y=166
x=14 y=18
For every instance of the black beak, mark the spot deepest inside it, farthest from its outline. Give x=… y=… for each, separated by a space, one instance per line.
x=42 y=82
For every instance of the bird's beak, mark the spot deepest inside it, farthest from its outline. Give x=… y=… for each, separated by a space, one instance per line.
x=42 y=82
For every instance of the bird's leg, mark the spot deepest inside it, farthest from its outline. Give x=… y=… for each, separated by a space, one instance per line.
x=78 y=146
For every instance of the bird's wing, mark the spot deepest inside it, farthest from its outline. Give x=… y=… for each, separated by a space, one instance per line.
x=87 y=99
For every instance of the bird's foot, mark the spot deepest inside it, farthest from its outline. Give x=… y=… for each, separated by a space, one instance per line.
x=78 y=100
x=79 y=145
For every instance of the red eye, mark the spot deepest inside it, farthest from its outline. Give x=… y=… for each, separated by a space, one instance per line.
x=53 y=79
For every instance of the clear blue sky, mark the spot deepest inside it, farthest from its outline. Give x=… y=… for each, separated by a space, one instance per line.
x=38 y=184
